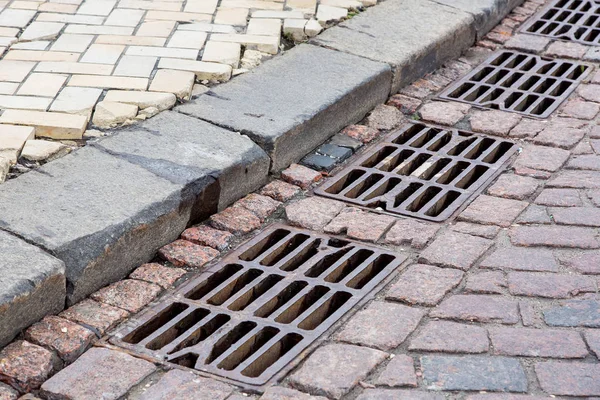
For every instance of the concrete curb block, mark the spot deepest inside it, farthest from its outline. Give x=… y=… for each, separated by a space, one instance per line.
x=105 y=209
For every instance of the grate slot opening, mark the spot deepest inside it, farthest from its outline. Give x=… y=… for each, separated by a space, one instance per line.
x=276 y=254
x=412 y=165
x=545 y=86
x=264 y=245
x=477 y=93
x=383 y=189
x=529 y=83
x=188 y=360
x=326 y=262
x=324 y=311
x=348 y=180
x=493 y=95
x=363 y=186
x=462 y=146
x=435 y=168
x=281 y=299
x=409 y=133
x=406 y=193
x=346 y=267
x=302 y=304
x=472 y=176
x=425 y=197
x=231 y=338
x=302 y=257
x=498 y=76
x=248 y=348
x=561 y=88
x=441 y=142
x=381 y=155
x=234 y=287
x=202 y=333
x=498 y=152
x=366 y=275
x=542 y=106
x=177 y=329
x=461 y=90
x=453 y=172
x=213 y=281
x=501 y=58
x=479 y=148
x=162 y=318
x=255 y=292
x=526 y=103
x=512 y=79
x=272 y=355
x=483 y=75
x=443 y=203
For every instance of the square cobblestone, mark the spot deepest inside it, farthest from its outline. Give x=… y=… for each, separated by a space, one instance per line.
x=99 y=317
x=573 y=313
x=494 y=122
x=450 y=337
x=424 y=284
x=359 y=224
x=25 y=366
x=492 y=282
x=399 y=372
x=444 y=113
x=163 y=276
x=484 y=231
x=478 y=308
x=521 y=259
x=391 y=394
x=559 y=198
x=181 y=385
x=410 y=232
x=489 y=210
x=182 y=253
x=456 y=250
x=313 y=213
x=569 y=379
x=541 y=158
x=554 y=236
x=207 y=236
x=129 y=294
x=537 y=343
x=280 y=190
x=514 y=187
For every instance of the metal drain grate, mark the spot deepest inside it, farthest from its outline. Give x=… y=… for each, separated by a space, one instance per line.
x=518 y=82
x=576 y=20
x=251 y=314
x=421 y=171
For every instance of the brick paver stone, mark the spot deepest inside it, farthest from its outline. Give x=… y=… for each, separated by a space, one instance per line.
x=381 y=325
x=541 y=158
x=566 y=49
x=578 y=108
x=555 y=286
x=259 y=205
x=129 y=294
x=558 y=136
x=489 y=210
x=522 y=259
x=400 y=371
x=528 y=128
x=585 y=162
x=25 y=366
x=300 y=176
x=450 y=337
x=494 y=122
x=569 y=379
x=68 y=339
x=537 y=342
x=313 y=213
x=187 y=254
x=559 y=198
x=333 y=370
x=205 y=235
x=497 y=396
x=391 y=394
x=283 y=393
x=163 y=276
x=99 y=370
x=362 y=133
x=280 y=190
x=576 y=179
x=456 y=250
x=492 y=282
x=384 y=117
x=236 y=220
x=99 y=317
x=587 y=262
x=410 y=232
x=534 y=214
x=444 y=113
x=514 y=187
x=479 y=308
x=8 y=393
x=554 y=236
x=494 y=374
x=592 y=337
x=484 y=231
x=529 y=43
x=407 y=105
x=359 y=224
x=182 y=385
x=583 y=216
x=424 y=284
x=574 y=313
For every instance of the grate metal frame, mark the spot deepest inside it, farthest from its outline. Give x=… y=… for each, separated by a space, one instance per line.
x=519 y=82
x=570 y=20
x=418 y=172
x=247 y=325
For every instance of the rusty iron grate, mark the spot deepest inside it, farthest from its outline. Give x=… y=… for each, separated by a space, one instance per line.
x=255 y=311
x=519 y=82
x=574 y=20
x=421 y=171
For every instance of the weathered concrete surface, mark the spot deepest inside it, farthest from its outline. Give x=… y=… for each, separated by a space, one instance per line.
x=187 y=151
x=32 y=285
x=414 y=37
x=293 y=103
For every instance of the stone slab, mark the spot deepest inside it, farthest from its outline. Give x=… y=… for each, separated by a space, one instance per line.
x=187 y=150
x=413 y=37
x=32 y=285
x=293 y=103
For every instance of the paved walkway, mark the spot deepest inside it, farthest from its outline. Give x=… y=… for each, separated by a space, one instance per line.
x=502 y=299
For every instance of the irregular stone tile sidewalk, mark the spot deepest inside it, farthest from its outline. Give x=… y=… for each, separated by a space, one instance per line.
x=70 y=65
x=503 y=299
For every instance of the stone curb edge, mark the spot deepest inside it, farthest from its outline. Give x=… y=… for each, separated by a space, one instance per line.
x=103 y=210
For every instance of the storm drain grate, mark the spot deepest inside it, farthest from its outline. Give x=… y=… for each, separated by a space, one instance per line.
x=576 y=20
x=252 y=313
x=518 y=82
x=421 y=171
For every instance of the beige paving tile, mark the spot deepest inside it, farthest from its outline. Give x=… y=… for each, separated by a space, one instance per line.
x=156 y=29
x=76 y=100
x=130 y=40
x=42 y=84
x=206 y=27
x=76 y=2
x=224 y=53
x=58 y=8
x=8 y=87
x=150 y=5
x=201 y=6
x=14 y=71
x=124 y=17
x=37 y=45
x=34 y=55
x=180 y=83
x=70 y=19
x=25 y=5
x=142 y=99
x=16 y=18
x=14 y=137
x=99 y=30
x=7 y=41
x=135 y=66
x=47 y=124
x=103 y=54
x=231 y=16
x=24 y=102
x=177 y=16
x=306 y=6
x=97 y=7
x=277 y=14
x=256 y=4
x=187 y=40
x=109 y=82
x=264 y=26
x=347 y=4
x=203 y=70
x=74 y=68
x=329 y=13
x=267 y=44
x=162 y=52
x=72 y=43
x=9 y=32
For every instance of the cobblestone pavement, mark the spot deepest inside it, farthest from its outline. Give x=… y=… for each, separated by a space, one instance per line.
x=71 y=67
x=502 y=299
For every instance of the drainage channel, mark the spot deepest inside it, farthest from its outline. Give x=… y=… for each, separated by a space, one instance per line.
x=522 y=83
x=256 y=311
x=421 y=171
